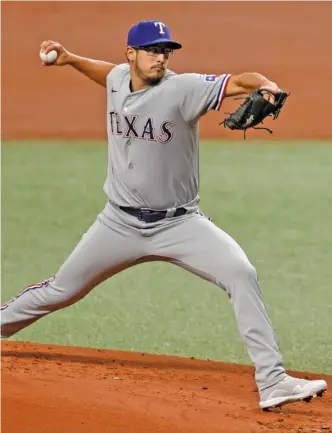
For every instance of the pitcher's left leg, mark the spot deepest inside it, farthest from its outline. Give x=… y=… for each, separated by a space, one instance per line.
x=198 y=245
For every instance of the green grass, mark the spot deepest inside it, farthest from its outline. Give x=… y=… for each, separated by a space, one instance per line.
x=274 y=199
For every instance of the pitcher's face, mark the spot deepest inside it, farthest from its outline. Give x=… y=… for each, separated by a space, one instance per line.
x=149 y=63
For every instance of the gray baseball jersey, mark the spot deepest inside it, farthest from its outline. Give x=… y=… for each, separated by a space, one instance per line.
x=153 y=163
x=153 y=138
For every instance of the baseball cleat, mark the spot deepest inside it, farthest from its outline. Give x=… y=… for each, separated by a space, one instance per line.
x=290 y=390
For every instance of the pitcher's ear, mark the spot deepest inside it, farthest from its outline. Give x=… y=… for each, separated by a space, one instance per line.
x=130 y=54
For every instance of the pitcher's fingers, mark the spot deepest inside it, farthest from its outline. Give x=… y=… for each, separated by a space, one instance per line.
x=45 y=44
x=51 y=47
x=272 y=87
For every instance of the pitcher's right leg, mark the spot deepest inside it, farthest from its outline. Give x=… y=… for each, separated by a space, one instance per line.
x=102 y=252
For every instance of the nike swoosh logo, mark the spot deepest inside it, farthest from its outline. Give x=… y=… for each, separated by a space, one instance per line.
x=113 y=91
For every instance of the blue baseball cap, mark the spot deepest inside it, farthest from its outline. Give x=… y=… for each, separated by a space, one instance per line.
x=151 y=32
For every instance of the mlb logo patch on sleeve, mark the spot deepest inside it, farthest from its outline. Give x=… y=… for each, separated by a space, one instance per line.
x=210 y=78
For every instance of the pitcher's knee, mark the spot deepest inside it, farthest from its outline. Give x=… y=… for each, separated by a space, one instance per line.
x=53 y=296
x=57 y=297
x=242 y=270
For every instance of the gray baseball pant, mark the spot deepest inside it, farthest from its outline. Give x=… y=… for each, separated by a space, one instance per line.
x=117 y=241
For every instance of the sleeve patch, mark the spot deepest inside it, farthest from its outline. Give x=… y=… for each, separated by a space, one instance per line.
x=210 y=78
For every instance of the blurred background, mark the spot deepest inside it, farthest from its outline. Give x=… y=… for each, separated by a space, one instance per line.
x=289 y=42
x=271 y=193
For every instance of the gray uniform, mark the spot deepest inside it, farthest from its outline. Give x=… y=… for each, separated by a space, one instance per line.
x=153 y=164
x=153 y=138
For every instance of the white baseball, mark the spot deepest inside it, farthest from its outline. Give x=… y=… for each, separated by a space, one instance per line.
x=49 y=57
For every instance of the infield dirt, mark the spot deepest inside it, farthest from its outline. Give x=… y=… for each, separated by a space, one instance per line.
x=53 y=389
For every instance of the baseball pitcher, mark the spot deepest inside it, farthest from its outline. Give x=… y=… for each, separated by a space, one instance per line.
x=152 y=209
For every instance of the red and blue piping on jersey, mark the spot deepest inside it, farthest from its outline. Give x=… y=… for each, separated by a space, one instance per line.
x=41 y=284
x=221 y=93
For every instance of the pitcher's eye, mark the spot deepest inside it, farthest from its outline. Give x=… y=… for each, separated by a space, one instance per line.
x=155 y=50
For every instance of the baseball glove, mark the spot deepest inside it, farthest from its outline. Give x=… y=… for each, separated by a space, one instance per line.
x=254 y=110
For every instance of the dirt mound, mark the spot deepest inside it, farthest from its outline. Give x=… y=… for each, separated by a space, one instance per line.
x=53 y=389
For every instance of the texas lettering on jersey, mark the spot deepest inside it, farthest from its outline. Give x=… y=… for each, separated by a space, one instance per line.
x=128 y=128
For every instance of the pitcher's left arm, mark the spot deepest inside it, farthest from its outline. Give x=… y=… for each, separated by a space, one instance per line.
x=247 y=82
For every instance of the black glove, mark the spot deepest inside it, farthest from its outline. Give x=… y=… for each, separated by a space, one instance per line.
x=254 y=110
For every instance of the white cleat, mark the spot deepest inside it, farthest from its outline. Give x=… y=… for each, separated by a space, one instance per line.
x=289 y=390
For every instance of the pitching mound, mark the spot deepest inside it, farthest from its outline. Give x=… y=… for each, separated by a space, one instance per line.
x=53 y=389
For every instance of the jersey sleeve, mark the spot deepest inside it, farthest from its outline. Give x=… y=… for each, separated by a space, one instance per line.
x=200 y=93
x=116 y=75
